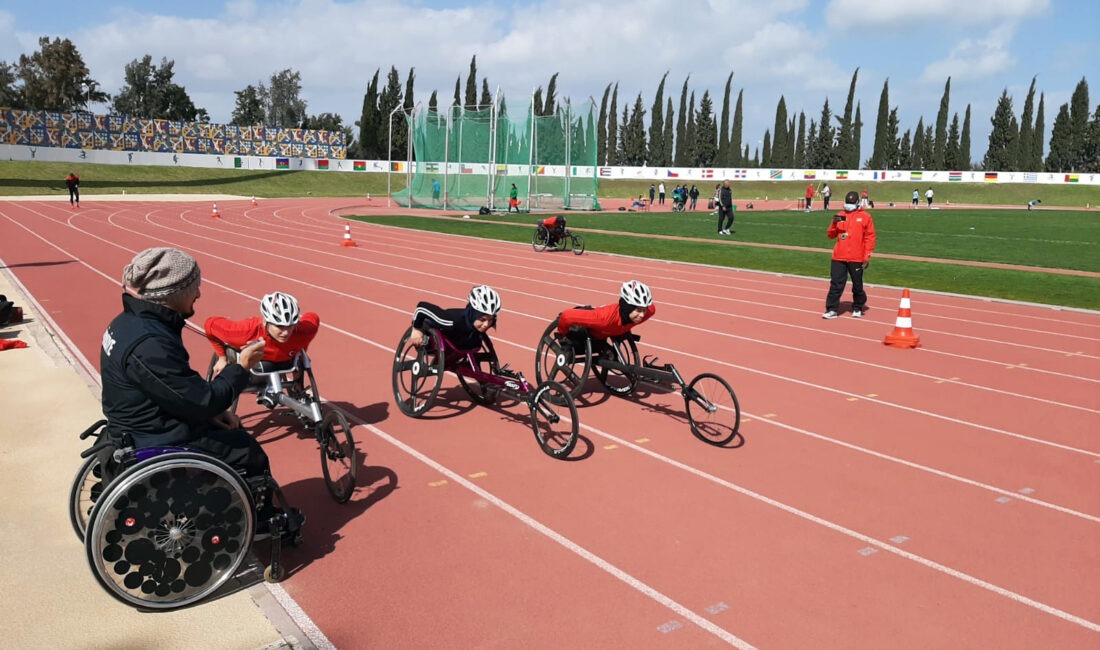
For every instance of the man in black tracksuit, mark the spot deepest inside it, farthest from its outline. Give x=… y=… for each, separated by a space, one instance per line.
x=149 y=389
x=725 y=209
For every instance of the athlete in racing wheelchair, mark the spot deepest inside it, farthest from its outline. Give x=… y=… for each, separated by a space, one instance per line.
x=182 y=490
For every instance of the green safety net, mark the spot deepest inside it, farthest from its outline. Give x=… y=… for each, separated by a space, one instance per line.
x=466 y=159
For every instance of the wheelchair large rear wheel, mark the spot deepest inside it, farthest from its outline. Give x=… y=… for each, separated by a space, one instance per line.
x=86 y=490
x=712 y=409
x=170 y=530
x=338 y=461
x=554 y=418
x=485 y=360
x=619 y=382
x=540 y=238
x=418 y=373
x=558 y=359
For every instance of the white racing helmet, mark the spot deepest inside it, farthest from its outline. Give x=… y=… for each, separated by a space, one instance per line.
x=484 y=300
x=280 y=309
x=636 y=294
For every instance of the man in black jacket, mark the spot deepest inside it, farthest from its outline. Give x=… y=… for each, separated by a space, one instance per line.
x=725 y=209
x=149 y=389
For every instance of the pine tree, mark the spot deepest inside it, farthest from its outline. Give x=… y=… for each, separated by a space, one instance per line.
x=939 y=146
x=614 y=150
x=1003 y=138
x=706 y=133
x=681 y=124
x=1059 y=159
x=1027 y=134
x=964 y=142
x=657 y=125
x=886 y=143
x=724 y=148
x=601 y=129
x=735 y=134
x=778 y=150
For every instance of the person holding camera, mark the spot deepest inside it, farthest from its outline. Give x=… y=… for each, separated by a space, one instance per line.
x=854 y=232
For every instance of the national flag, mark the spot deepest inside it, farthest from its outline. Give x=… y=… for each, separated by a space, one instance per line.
x=359 y=166
x=605 y=172
x=916 y=176
x=466 y=169
x=740 y=174
x=879 y=176
x=282 y=163
x=237 y=162
x=540 y=170
x=842 y=176
x=432 y=168
x=954 y=176
x=991 y=177
x=397 y=166
x=1031 y=177
x=502 y=170
x=322 y=164
x=777 y=174
x=708 y=173
x=809 y=176
x=672 y=174
x=1071 y=178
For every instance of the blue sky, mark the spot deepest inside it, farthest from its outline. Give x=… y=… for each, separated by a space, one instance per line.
x=803 y=50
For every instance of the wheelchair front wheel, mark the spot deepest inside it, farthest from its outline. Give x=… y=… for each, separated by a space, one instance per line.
x=712 y=409
x=554 y=419
x=338 y=461
x=418 y=373
x=578 y=244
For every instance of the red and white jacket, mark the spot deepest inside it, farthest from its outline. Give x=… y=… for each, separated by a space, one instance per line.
x=222 y=331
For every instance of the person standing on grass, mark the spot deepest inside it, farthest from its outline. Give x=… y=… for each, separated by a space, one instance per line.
x=725 y=208
x=928 y=196
x=435 y=191
x=72 y=181
x=854 y=232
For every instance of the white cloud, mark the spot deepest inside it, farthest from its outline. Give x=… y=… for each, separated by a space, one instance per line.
x=975 y=59
x=927 y=15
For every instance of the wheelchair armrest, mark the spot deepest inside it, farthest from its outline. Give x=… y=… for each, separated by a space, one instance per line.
x=93 y=430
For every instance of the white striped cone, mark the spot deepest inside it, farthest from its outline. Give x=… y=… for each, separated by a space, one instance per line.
x=214 y=214
x=903 y=336
x=254 y=204
x=348 y=241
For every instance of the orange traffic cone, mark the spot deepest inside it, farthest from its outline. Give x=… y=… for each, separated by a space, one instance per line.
x=348 y=241
x=214 y=212
x=903 y=336
x=254 y=204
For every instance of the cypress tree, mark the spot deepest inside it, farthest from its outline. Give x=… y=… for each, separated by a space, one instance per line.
x=706 y=133
x=800 y=142
x=845 y=138
x=1059 y=158
x=1027 y=134
x=614 y=150
x=735 y=135
x=939 y=147
x=681 y=123
x=657 y=125
x=778 y=150
x=1079 y=123
x=886 y=144
x=857 y=137
x=1037 y=143
x=1002 y=150
x=724 y=148
x=964 y=142
x=669 y=131
x=601 y=129
x=951 y=151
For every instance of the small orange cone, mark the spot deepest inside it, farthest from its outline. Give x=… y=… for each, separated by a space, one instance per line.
x=214 y=212
x=348 y=241
x=903 y=336
x=254 y=204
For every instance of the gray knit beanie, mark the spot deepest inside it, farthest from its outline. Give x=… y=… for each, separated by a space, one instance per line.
x=157 y=274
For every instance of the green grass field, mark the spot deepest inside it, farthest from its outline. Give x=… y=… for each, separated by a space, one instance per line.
x=1052 y=239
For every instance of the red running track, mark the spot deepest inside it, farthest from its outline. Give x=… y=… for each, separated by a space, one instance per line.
x=942 y=497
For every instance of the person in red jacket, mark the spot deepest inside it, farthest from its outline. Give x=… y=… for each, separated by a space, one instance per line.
x=282 y=326
x=809 y=197
x=556 y=227
x=854 y=232
x=635 y=306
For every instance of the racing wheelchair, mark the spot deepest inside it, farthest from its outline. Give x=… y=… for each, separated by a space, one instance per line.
x=418 y=373
x=291 y=384
x=541 y=240
x=713 y=411
x=165 y=527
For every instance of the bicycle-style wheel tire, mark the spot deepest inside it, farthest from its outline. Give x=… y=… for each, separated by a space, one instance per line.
x=578 y=245
x=550 y=406
x=418 y=373
x=86 y=490
x=619 y=382
x=557 y=359
x=486 y=361
x=338 y=458
x=712 y=409
x=539 y=239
